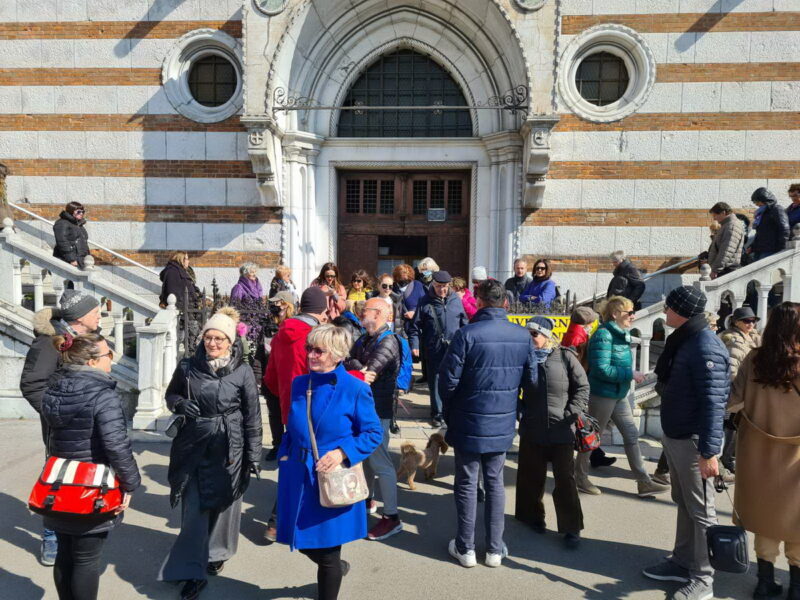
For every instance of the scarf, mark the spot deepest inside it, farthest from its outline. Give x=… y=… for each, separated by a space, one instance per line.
x=758 y=214
x=542 y=354
x=218 y=363
x=664 y=365
x=251 y=287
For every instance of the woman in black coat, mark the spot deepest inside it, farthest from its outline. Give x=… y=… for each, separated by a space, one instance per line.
x=215 y=451
x=84 y=414
x=547 y=434
x=72 y=239
x=176 y=278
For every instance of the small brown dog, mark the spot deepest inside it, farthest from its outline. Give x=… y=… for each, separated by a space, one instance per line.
x=411 y=458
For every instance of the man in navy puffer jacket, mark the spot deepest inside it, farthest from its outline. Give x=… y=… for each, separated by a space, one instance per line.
x=487 y=363
x=693 y=381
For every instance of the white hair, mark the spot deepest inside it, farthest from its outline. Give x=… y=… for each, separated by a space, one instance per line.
x=428 y=264
x=248 y=268
x=618 y=256
x=334 y=339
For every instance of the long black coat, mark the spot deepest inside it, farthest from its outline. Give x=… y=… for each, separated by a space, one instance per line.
x=435 y=322
x=220 y=446
x=84 y=414
x=562 y=393
x=176 y=280
x=772 y=231
x=627 y=282
x=72 y=239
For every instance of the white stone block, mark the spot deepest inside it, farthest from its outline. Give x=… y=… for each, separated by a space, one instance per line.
x=582 y=285
x=658 y=43
x=582 y=240
x=112 y=235
x=700 y=6
x=611 y=7
x=679 y=145
x=223 y=236
x=700 y=97
x=601 y=145
x=15 y=54
x=99 y=99
x=576 y=7
x=773 y=145
x=241 y=147
x=654 y=193
x=640 y=145
x=45 y=190
x=205 y=192
x=165 y=190
x=262 y=237
x=8 y=11
x=108 y=145
x=785 y=95
x=19 y=144
x=751 y=96
x=15 y=188
x=185 y=236
x=72 y=10
x=633 y=240
x=536 y=240
x=242 y=192
x=611 y=193
x=86 y=190
x=58 y=54
x=562 y=193
x=726 y=47
x=696 y=193
x=221 y=145
x=10 y=100
x=657 y=6
x=148 y=236
x=149 y=53
x=38 y=100
x=677 y=241
x=63 y=144
x=562 y=146
x=113 y=10
x=132 y=99
x=681 y=47
x=124 y=190
x=174 y=10
x=42 y=10
x=721 y=145
x=664 y=98
x=736 y=192
x=103 y=53
x=186 y=145
x=747 y=6
x=150 y=145
x=774 y=46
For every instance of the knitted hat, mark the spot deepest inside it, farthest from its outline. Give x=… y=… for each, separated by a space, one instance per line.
x=313 y=301
x=225 y=321
x=687 y=301
x=479 y=274
x=542 y=325
x=76 y=304
x=583 y=315
x=442 y=277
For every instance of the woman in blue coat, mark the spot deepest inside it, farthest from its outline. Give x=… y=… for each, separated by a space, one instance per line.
x=542 y=290
x=347 y=431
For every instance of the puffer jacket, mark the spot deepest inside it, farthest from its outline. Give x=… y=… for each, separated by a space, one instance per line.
x=693 y=399
x=516 y=285
x=84 y=414
x=72 y=239
x=626 y=282
x=220 y=446
x=772 y=231
x=480 y=378
x=727 y=245
x=575 y=336
x=610 y=361
x=739 y=345
x=435 y=322
x=561 y=394
x=383 y=357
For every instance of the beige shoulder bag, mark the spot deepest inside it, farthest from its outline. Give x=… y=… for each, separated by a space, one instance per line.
x=342 y=486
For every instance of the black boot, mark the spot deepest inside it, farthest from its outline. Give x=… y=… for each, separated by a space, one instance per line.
x=766 y=587
x=794 y=583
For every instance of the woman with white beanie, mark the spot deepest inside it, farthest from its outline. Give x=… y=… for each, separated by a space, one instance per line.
x=216 y=449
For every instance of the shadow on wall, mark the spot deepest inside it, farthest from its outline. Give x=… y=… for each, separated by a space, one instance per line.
x=705 y=24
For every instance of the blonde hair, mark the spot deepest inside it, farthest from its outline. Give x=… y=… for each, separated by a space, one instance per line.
x=428 y=263
x=332 y=338
x=288 y=312
x=458 y=284
x=282 y=270
x=179 y=256
x=615 y=304
x=358 y=307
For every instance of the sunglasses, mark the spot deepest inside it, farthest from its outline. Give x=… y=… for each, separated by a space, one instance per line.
x=358 y=281
x=215 y=340
x=748 y=321
x=535 y=334
x=80 y=212
x=330 y=275
x=630 y=313
x=315 y=351
x=386 y=286
x=540 y=269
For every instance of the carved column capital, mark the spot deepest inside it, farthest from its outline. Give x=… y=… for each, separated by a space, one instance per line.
x=536 y=132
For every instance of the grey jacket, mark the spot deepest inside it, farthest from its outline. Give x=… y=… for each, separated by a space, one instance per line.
x=726 y=247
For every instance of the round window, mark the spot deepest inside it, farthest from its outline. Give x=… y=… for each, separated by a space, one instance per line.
x=212 y=80
x=602 y=78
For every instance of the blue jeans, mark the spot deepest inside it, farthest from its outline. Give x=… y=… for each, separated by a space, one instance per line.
x=48 y=535
x=433 y=389
x=467 y=468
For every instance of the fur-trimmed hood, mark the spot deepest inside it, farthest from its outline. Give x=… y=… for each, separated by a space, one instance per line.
x=44 y=321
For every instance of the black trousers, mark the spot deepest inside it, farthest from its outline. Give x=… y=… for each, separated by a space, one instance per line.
x=77 y=569
x=329 y=570
x=531 y=479
x=275 y=422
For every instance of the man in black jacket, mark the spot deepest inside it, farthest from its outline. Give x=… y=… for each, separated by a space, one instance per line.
x=79 y=313
x=627 y=281
x=437 y=318
x=516 y=285
x=771 y=223
x=379 y=354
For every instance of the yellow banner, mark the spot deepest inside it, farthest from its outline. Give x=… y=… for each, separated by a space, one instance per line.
x=561 y=323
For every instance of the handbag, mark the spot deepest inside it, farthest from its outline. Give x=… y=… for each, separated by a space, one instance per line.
x=344 y=485
x=177 y=423
x=727 y=544
x=587 y=433
x=75 y=488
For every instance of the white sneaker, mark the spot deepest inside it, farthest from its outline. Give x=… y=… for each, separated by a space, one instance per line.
x=494 y=560
x=467 y=559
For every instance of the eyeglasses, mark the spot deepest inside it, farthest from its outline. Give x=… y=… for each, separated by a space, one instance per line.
x=219 y=341
x=315 y=351
x=748 y=321
x=540 y=269
x=330 y=275
x=109 y=354
x=386 y=286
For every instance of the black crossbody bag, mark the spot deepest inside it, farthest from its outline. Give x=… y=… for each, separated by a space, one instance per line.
x=727 y=544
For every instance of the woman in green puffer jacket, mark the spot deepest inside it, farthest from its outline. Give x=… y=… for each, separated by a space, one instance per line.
x=610 y=374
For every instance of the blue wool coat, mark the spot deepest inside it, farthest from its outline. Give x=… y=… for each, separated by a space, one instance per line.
x=480 y=378
x=343 y=413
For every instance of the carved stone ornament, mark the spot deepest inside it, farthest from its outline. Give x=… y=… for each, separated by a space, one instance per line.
x=530 y=5
x=262 y=146
x=536 y=133
x=270 y=7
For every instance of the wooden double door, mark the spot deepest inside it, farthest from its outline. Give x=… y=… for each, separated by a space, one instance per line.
x=392 y=217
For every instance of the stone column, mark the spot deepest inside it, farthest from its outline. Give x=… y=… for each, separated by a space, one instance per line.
x=763 y=293
x=38 y=289
x=644 y=354
x=119 y=331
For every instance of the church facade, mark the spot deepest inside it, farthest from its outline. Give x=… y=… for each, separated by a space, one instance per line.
x=373 y=132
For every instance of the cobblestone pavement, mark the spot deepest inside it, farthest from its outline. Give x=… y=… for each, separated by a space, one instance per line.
x=622 y=535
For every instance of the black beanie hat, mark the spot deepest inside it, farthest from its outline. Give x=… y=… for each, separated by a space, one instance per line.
x=313 y=301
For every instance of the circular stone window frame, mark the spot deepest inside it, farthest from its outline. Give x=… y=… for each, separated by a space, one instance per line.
x=530 y=5
x=622 y=42
x=271 y=12
x=178 y=64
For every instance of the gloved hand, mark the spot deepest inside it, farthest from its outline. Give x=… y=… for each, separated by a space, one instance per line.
x=187 y=408
x=254 y=470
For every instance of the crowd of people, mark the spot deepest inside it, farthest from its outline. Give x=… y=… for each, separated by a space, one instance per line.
x=332 y=361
